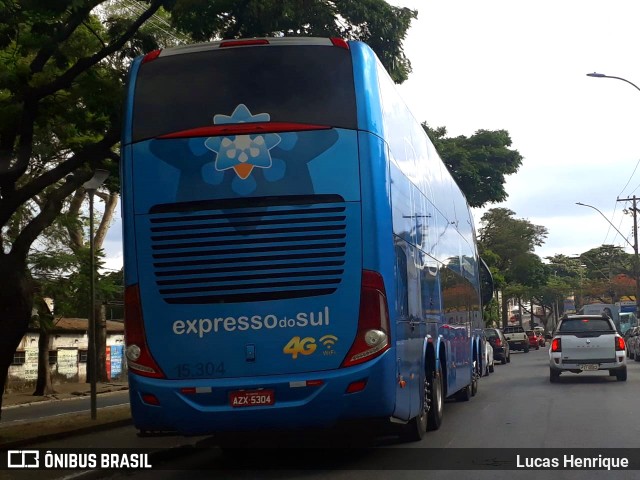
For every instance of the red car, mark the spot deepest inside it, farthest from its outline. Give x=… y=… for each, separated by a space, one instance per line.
x=534 y=341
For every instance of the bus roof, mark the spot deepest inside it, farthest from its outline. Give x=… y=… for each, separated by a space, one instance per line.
x=247 y=42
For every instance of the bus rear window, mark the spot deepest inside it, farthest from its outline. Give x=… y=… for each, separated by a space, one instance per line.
x=293 y=83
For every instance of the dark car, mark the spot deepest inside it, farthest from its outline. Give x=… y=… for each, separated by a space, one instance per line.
x=631 y=338
x=499 y=344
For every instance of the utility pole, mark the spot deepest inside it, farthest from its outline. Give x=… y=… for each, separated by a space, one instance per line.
x=636 y=263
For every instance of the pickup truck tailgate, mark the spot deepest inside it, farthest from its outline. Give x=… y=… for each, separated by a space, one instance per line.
x=592 y=346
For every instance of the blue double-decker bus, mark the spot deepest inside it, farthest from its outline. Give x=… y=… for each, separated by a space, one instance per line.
x=296 y=253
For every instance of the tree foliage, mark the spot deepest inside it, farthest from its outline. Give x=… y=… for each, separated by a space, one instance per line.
x=382 y=26
x=478 y=163
x=507 y=237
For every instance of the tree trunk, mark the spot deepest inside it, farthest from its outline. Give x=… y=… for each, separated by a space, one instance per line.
x=110 y=204
x=101 y=342
x=16 y=301
x=43 y=383
x=520 y=312
x=505 y=310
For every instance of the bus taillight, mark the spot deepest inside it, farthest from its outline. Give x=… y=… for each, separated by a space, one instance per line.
x=244 y=43
x=339 y=42
x=139 y=358
x=151 y=56
x=372 y=337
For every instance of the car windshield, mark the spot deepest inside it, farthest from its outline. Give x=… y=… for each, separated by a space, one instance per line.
x=585 y=325
x=491 y=333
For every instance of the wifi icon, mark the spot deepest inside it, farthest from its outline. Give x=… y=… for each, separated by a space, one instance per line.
x=328 y=341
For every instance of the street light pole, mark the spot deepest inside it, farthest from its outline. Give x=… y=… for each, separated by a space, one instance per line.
x=634 y=245
x=602 y=75
x=91 y=186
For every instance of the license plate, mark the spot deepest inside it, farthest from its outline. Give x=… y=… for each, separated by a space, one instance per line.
x=588 y=367
x=251 y=398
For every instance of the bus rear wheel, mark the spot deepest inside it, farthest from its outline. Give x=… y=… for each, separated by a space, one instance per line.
x=435 y=397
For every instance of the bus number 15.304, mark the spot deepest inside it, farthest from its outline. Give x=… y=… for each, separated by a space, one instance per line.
x=194 y=370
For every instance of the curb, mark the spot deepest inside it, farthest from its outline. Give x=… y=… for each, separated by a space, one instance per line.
x=66 y=434
x=52 y=398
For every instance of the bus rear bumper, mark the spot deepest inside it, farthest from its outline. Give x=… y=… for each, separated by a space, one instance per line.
x=313 y=399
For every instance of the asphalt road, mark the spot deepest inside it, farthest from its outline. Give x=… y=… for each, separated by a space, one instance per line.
x=516 y=408
x=12 y=416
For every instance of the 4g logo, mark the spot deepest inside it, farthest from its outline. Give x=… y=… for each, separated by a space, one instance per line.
x=306 y=346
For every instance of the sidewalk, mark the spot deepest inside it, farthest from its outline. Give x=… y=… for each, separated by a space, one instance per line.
x=63 y=391
x=57 y=427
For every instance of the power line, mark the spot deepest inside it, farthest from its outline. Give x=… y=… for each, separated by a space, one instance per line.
x=629 y=181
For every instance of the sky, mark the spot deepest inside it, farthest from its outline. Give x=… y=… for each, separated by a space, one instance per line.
x=521 y=66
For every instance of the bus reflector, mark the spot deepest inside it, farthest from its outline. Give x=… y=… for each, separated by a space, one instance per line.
x=356 y=386
x=372 y=337
x=244 y=43
x=151 y=56
x=339 y=42
x=139 y=358
x=150 y=399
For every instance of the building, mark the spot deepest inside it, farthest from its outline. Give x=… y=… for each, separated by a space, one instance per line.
x=68 y=352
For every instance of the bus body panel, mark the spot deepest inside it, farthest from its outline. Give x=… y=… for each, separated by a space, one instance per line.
x=436 y=275
x=378 y=255
x=367 y=90
x=168 y=171
x=296 y=405
x=232 y=255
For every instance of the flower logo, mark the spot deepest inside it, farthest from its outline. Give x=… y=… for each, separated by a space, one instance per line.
x=242 y=153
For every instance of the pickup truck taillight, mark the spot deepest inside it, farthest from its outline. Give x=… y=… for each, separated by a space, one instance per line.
x=619 y=343
x=556 y=345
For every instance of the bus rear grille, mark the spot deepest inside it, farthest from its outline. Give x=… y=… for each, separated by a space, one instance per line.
x=249 y=249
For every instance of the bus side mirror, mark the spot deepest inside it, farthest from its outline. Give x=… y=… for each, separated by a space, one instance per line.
x=486 y=282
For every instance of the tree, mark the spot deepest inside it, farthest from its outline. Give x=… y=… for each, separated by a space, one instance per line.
x=510 y=242
x=382 y=26
x=605 y=261
x=478 y=163
x=62 y=77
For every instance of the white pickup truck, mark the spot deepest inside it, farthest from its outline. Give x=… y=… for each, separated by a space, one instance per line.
x=517 y=338
x=584 y=343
